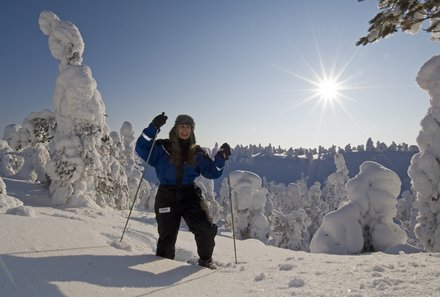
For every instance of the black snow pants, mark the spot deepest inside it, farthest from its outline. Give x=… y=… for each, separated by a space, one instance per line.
x=176 y=202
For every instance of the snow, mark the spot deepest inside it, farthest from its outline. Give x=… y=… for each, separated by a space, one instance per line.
x=86 y=159
x=64 y=206
x=248 y=200
x=425 y=166
x=367 y=219
x=77 y=252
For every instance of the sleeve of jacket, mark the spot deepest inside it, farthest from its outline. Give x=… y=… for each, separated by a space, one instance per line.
x=144 y=143
x=209 y=168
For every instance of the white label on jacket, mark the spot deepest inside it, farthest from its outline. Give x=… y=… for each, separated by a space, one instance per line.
x=165 y=210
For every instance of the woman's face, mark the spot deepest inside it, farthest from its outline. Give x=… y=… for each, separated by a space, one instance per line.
x=184 y=131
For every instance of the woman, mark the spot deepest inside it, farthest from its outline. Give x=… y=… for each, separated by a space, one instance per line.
x=178 y=161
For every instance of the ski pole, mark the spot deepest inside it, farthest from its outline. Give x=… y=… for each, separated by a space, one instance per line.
x=139 y=185
x=232 y=210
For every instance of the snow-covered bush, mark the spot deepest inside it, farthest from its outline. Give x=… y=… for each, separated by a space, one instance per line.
x=317 y=208
x=35 y=133
x=287 y=198
x=7 y=202
x=10 y=162
x=209 y=204
x=407 y=213
x=334 y=192
x=290 y=231
x=134 y=169
x=133 y=173
x=29 y=143
x=11 y=135
x=365 y=223
x=249 y=200
x=2 y=187
x=84 y=168
x=34 y=166
x=37 y=128
x=425 y=165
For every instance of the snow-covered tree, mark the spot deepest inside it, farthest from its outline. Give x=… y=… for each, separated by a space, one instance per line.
x=2 y=187
x=369 y=146
x=425 y=165
x=290 y=231
x=365 y=223
x=275 y=192
x=381 y=146
x=403 y=15
x=295 y=206
x=294 y=196
x=82 y=169
x=10 y=162
x=11 y=135
x=317 y=208
x=134 y=170
x=7 y=202
x=30 y=143
x=33 y=138
x=37 y=128
x=291 y=199
x=360 y=148
x=209 y=203
x=407 y=213
x=334 y=192
x=249 y=199
x=35 y=159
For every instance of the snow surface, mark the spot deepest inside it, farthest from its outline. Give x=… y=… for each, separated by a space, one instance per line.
x=75 y=249
x=76 y=252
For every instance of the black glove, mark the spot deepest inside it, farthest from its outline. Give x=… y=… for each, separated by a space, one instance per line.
x=159 y=120
x=225 y=151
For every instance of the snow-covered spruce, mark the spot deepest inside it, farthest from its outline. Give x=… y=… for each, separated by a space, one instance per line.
x=7 y=202
x=83 y=170
x=425 y=165
x=209 y=204
x=9 y=162
x=290 y=231
x=26 y=154
x=249 y=200
x=334 y=192
x=365 y=223
x=407 y=214
x=12 y=205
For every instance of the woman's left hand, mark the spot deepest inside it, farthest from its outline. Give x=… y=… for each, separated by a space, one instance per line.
x=224 y=151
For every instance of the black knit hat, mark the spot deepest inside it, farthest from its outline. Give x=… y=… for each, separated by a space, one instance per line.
x=185 y=119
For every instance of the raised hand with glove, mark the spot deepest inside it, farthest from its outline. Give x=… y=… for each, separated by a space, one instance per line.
x=224 y=151
x=159 y=120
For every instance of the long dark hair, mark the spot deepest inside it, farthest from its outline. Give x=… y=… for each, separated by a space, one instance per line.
x=182 y=150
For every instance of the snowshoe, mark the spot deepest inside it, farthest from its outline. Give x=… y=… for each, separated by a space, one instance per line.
x=208 y=264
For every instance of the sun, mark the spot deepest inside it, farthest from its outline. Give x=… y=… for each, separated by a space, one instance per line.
x=328 y=89
x=325 y=87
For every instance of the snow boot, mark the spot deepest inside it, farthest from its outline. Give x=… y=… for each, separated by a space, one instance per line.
x=208 y=264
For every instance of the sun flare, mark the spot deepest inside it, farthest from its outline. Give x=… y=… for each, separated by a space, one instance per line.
x=328 y=89
x=325 y=88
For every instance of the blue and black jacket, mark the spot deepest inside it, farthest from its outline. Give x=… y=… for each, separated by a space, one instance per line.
x=166 y=171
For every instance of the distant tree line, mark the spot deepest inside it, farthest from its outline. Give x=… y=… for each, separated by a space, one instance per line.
x=242 y=153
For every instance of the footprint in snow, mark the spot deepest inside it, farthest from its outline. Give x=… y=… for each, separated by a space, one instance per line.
x=286 y=267
x=296 y=283
x=260 y=277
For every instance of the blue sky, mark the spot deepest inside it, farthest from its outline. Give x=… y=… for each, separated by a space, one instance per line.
x=243 y=69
